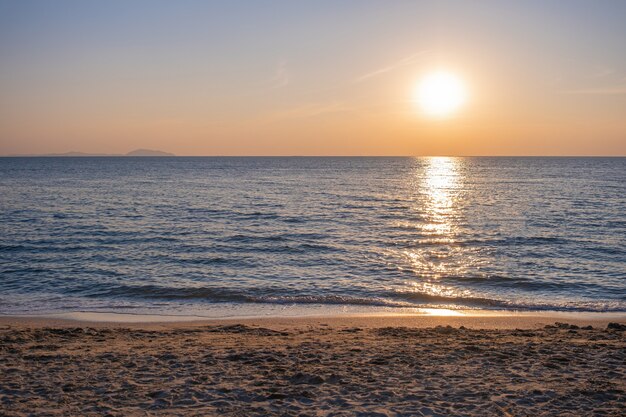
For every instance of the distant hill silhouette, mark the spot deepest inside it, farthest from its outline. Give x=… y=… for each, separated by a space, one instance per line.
x=148 y=152
x=137 y=152
x=75 y=154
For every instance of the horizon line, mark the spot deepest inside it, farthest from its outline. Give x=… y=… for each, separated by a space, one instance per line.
x=307 y=156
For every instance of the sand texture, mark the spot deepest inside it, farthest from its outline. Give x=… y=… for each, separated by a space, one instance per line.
x=333 y=370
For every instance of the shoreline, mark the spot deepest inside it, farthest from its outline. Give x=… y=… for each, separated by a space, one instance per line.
x=477 y=319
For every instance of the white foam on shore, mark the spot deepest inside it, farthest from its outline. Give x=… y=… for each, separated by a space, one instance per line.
x=299 y=312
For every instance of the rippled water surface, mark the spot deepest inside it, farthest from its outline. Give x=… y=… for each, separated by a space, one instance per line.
x=189 y=234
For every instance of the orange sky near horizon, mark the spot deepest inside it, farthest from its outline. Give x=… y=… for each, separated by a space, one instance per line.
x=318 y=79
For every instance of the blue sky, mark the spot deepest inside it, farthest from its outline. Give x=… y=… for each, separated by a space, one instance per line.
x=295 y=77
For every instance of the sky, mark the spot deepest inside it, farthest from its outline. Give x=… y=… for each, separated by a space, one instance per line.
x=311 y=77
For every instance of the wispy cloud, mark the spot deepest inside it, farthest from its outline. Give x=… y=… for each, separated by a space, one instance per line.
x=309 y=110
x=601 y=72
x=281 y=76
x=614 y=83
x=401 y=63
x=605 y=91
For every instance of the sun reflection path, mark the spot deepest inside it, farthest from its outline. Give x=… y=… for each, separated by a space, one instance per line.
x=440 y=181
x=438 y=203
x=435 y=254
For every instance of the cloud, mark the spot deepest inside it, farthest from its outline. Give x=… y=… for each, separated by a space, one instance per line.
x=310 y=110
x=404 y=61
x=604 y=91
x=601 y=72
x=281 y=76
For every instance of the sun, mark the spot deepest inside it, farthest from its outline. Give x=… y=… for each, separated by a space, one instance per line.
x=440 y=94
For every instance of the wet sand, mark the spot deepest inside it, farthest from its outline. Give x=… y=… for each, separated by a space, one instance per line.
x=341 y=366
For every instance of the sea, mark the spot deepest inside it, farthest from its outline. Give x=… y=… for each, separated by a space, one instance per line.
x=254 y=236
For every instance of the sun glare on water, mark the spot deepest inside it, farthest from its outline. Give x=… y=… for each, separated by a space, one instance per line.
x=440 y=94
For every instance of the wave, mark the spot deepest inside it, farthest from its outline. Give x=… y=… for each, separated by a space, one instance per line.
x=391 y=299
x=343 y=231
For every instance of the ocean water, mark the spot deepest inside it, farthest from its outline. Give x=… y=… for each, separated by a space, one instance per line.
x=222 y=236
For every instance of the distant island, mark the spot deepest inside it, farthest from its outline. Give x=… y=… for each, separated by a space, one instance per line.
x=148 y=152
x=136 y=152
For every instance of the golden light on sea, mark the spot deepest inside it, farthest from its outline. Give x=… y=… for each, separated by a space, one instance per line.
x=435 y=256
x=440 y=180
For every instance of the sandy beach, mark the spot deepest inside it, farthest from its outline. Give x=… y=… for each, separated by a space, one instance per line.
x=365 y=366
